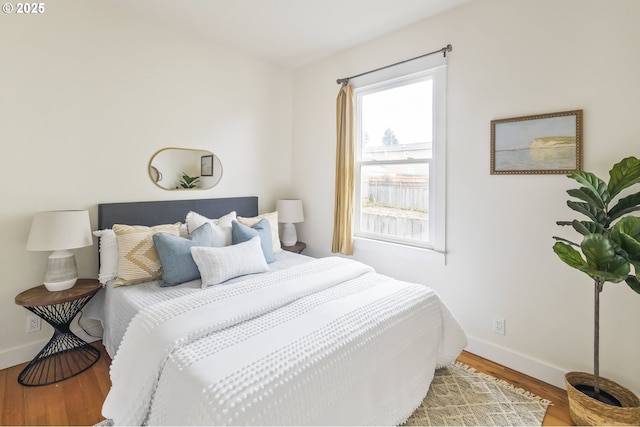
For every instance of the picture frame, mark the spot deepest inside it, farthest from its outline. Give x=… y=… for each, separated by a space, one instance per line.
x=538 y=144
x=206 y=165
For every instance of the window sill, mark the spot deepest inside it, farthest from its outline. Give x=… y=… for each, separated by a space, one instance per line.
x=368 y=247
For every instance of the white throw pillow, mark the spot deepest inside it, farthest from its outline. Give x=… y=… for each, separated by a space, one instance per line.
x=220 y=227
x=108 y=246
x=217 y=265
x=184 y=231
x=272 y=217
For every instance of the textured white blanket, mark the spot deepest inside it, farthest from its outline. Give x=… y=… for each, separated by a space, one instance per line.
x=326 y=342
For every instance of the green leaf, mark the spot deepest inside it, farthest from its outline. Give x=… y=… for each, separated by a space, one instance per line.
x=613 y=269
x=588 y=196
x=624 y=206
x=633 y=283
x=594 y=213
x=563 y=223
x=562 y=239
x=626 y=233
x=622 y=175
x=580 y=227
x=592 y=184
x=602 y=259
x=569 y=256
x=587 y=227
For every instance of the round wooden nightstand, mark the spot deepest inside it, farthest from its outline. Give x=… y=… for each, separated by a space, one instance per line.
x=297 y=248
x=65 y=355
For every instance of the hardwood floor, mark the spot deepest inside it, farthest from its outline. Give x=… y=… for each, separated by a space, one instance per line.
x=78 y=400
x=75 y=401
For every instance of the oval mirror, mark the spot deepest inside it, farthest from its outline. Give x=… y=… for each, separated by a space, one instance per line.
x=185 y=169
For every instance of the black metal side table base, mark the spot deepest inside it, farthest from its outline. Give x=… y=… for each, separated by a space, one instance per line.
x=66 y=354
x=63 y=357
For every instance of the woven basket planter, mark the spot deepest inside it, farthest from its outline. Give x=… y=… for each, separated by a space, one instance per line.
x=586 y=411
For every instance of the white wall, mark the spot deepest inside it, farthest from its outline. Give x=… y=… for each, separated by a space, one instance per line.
x=509 y=59
x=89 y=93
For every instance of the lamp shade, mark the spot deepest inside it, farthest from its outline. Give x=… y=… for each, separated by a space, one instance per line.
x=59 y=230
x=290 y=210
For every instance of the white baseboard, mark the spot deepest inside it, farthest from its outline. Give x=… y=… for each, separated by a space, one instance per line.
x=527 y=365
x=24 y=353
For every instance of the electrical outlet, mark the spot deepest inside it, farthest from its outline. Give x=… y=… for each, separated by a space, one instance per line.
x=33 y=324
x=498 y=326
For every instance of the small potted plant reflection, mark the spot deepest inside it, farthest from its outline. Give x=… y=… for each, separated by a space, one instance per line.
x=189 y=181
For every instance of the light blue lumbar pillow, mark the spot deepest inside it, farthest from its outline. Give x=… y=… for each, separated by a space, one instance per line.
x=241 y=233
x=175 y=257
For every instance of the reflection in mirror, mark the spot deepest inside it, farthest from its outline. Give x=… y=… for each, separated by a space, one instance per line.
x=185 y=168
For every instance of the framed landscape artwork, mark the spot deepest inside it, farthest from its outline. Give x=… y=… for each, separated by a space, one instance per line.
x=541 y=144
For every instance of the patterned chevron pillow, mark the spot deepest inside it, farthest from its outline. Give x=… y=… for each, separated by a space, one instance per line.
x=137 y=256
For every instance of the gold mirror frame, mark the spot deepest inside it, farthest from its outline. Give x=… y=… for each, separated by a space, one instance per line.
x=167 y=166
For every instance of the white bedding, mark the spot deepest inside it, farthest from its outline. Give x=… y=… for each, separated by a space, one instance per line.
x=326 y=342
x=115 y=307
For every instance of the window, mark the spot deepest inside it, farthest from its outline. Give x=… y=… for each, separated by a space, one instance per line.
x=400 y=159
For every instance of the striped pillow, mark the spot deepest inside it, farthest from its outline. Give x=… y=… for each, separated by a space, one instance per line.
x=218 y=265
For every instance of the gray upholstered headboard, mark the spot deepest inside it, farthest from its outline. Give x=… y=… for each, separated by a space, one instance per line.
x=170 y=211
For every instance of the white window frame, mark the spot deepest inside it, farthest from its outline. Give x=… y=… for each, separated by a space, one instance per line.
x=425 y=68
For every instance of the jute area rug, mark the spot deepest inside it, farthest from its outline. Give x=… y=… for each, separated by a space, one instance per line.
x=459 y=396
x=462 y=397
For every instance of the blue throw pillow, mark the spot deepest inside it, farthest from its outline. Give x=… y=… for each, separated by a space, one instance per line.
x=174 y=252
x=242 y=233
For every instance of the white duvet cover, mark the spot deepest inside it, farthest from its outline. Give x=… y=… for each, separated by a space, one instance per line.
x=115 y=307
x=328 y=342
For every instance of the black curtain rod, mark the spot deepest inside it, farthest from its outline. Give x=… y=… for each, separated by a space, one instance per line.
x=444 y=50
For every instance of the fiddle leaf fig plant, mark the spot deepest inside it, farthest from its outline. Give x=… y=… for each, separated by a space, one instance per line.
x=610 y=247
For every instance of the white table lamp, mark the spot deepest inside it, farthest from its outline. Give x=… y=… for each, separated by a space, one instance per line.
x=60 y=231
x=289 y=212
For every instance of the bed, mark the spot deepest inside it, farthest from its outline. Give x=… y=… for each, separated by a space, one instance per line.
x=307 y=342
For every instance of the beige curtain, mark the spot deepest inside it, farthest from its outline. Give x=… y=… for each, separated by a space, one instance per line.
x=345 y=164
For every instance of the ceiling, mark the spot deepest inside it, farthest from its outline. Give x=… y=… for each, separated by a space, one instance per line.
x=289 y=33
